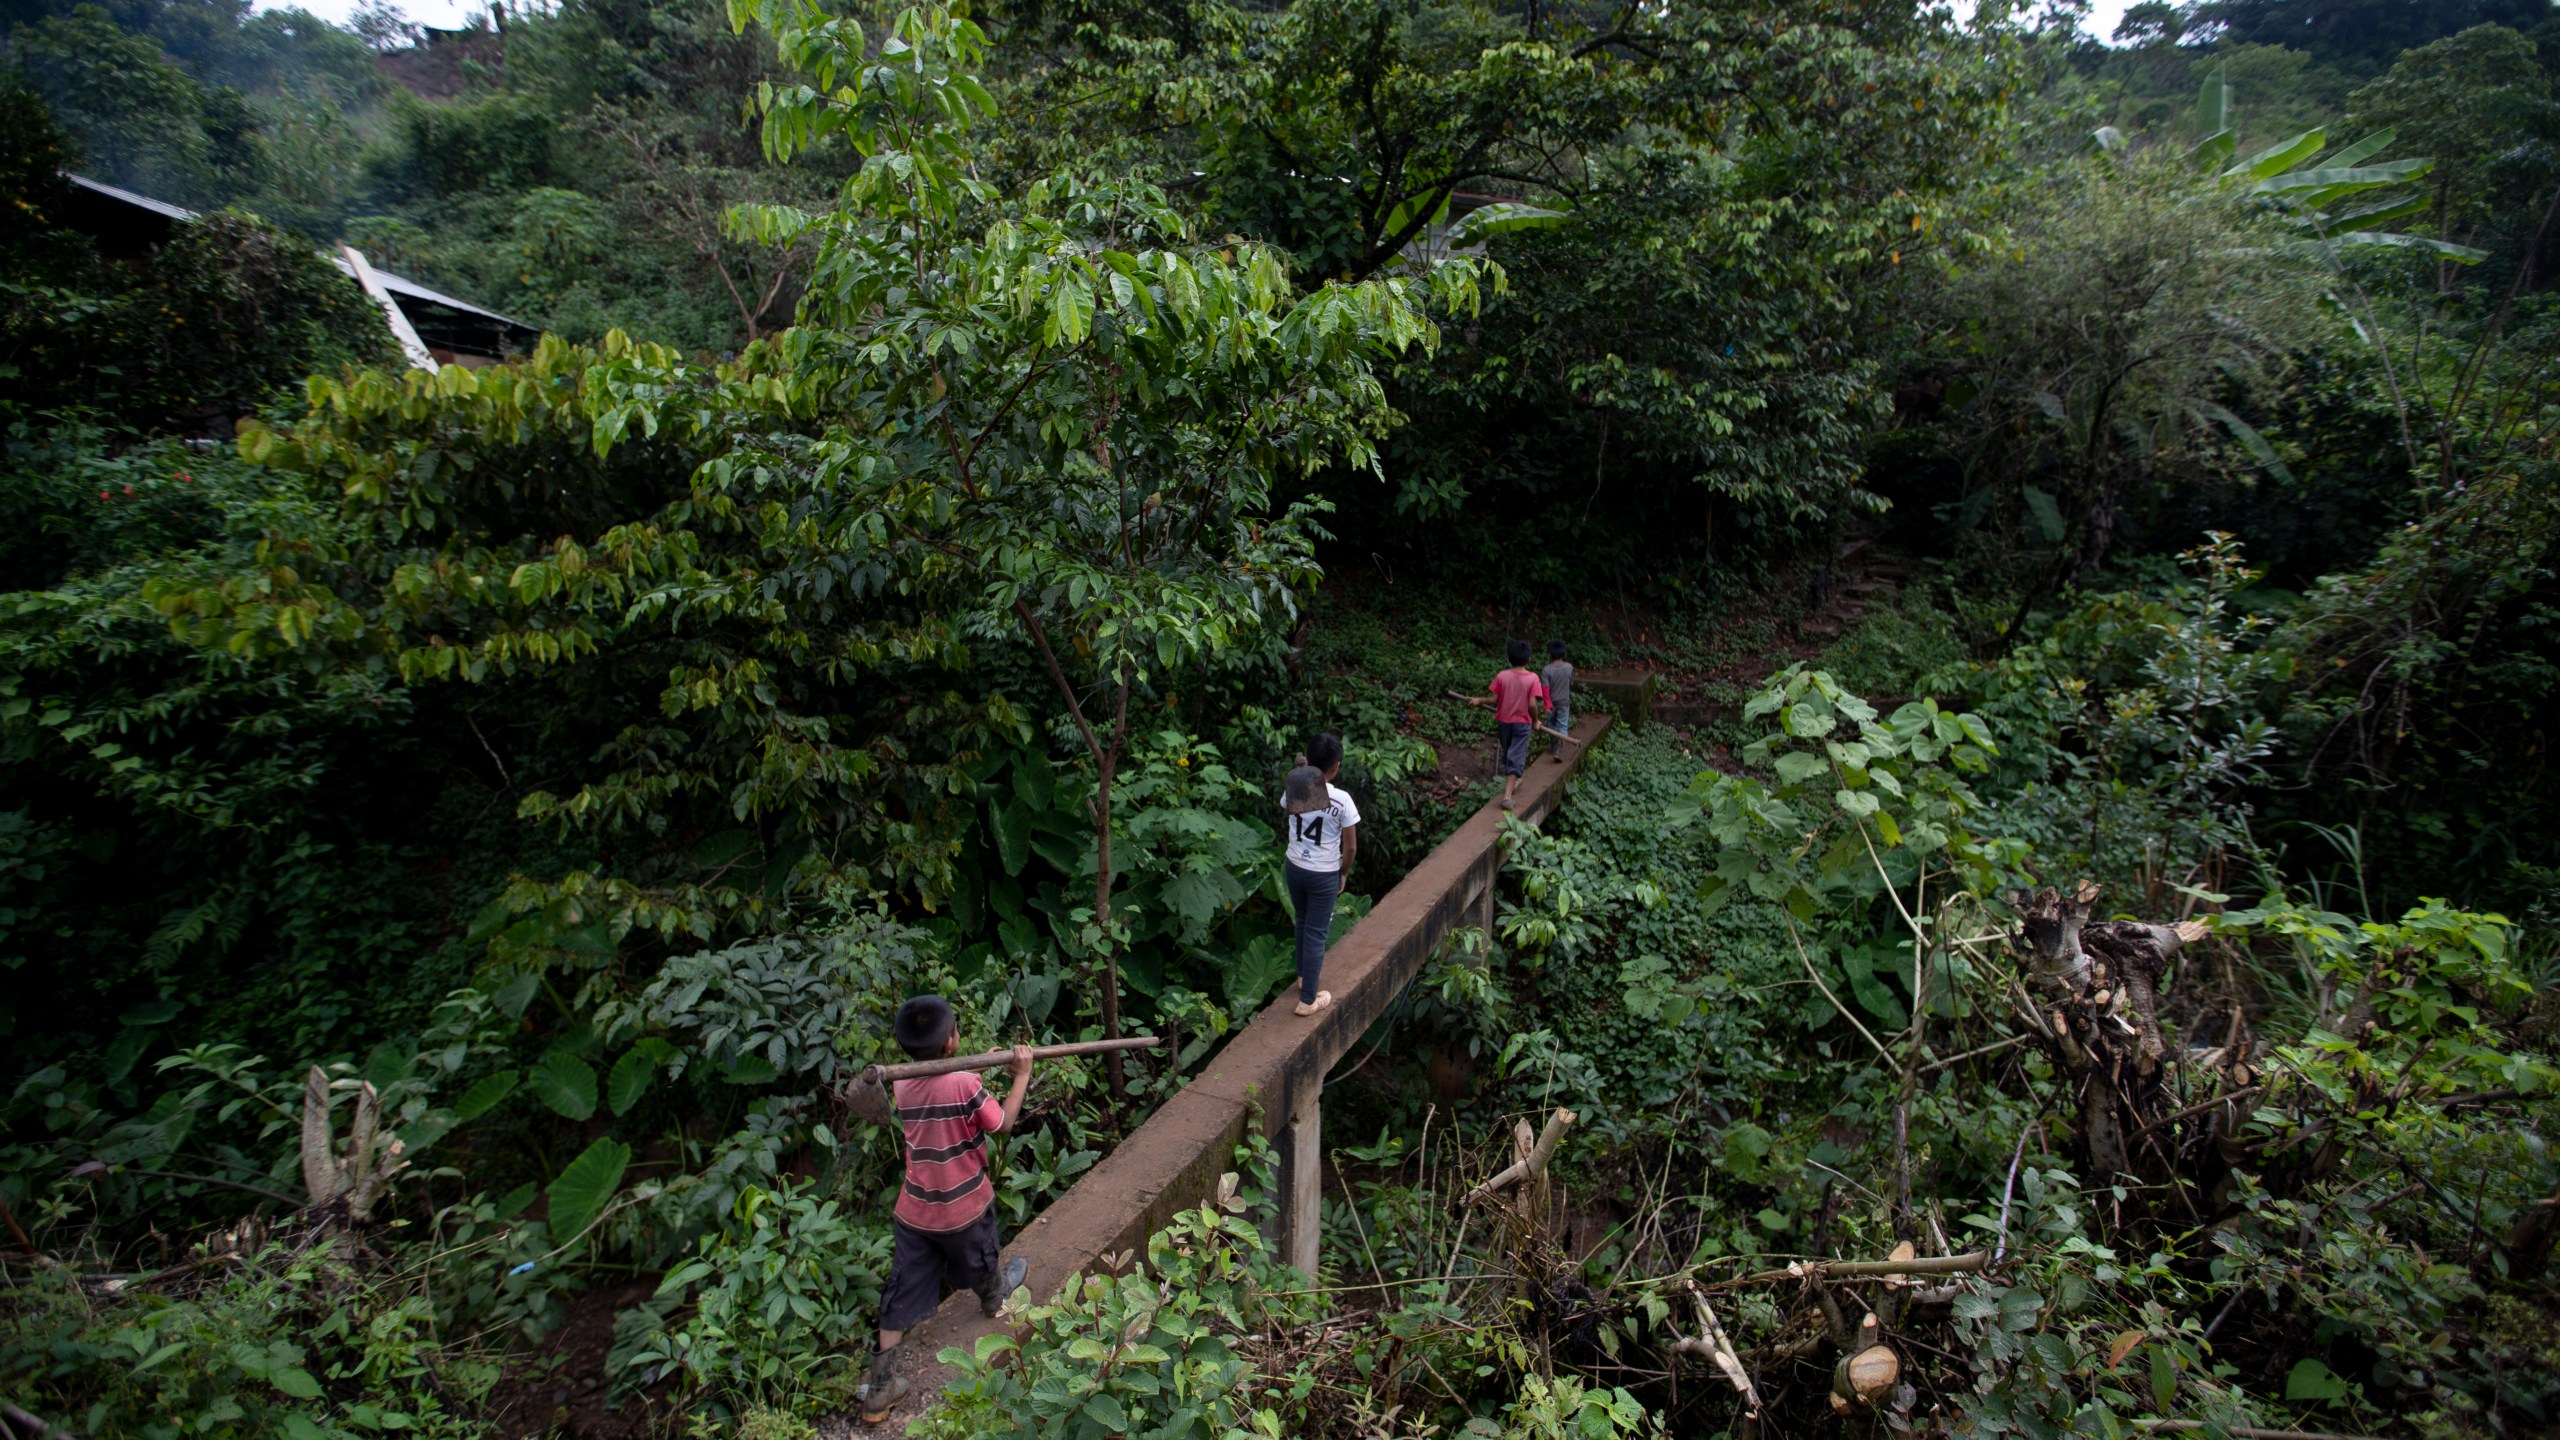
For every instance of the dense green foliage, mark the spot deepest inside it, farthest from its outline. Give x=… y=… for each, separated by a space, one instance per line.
x=459 y=829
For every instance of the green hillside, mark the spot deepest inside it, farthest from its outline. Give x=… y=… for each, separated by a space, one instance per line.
x=2084 y=503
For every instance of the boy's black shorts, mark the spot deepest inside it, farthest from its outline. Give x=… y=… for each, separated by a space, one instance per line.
x=921 y=1260
x=1515 y=747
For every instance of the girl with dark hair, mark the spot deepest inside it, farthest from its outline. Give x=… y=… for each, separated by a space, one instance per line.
x=1323 y=834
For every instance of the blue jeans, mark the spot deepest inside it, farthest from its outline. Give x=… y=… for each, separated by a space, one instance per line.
x=1561 y=718
x=1311 y=894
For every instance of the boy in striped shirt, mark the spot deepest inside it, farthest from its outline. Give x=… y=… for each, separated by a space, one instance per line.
x=944 y=1225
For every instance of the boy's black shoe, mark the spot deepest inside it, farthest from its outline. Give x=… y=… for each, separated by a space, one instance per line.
x=992 y=1295
x=882 y=1387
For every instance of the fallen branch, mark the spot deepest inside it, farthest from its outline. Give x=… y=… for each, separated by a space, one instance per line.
x=1716 y=1346
x=35 y=1424
x=215 y=1180
x=1534 y=1163
x=1856 y=1269
x=2225 y=1098
x=2476 y=1097
x=2246 y=1432
x=1816 y=977
x=1991 y=1049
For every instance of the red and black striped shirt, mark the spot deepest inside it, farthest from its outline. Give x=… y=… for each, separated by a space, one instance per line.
x=947 y=1119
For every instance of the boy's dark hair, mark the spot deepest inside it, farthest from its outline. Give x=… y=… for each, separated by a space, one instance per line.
x=1519 y=652
x=1325 y=751
x=1555 y=649
x=924 y=1026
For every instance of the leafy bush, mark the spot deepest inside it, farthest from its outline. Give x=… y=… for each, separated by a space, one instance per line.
x=1162 y=1349
x=781 y=1301
x=212 y=326
x=241 y=1339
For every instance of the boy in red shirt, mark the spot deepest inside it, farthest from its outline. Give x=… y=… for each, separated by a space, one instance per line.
x=1517 y=700
x=945 y=1220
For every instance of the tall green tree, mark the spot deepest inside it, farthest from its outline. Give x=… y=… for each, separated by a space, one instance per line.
x=1726 y=192
x=1058 y=407
x=2481 y=104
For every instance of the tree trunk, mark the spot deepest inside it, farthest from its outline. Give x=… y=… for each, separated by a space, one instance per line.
x=1106 y=761
x=1106 y=764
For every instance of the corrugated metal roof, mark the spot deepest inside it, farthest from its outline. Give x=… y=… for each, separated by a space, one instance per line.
x=156 y=207
x=400 y=285
x=405 y=287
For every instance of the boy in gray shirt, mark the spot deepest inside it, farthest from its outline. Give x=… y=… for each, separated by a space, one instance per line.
x=1559 y=678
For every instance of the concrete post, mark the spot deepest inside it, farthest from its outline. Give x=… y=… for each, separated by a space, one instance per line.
x=1302 y=1182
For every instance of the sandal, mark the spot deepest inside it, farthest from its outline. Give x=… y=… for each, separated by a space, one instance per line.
x=1323 y=999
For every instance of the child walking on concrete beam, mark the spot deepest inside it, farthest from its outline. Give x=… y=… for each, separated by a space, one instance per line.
x=1324 y=837
x=1518 y=695
x=1558 y=677
x=944 y=1224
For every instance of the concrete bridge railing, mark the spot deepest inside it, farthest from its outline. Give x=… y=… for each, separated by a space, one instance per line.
x=1271 y=1075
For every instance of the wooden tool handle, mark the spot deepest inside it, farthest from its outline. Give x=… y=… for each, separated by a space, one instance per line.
x=997 y=1059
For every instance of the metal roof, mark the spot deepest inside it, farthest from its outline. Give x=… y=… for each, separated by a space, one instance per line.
x=156 y=207
x=400 y=285
x=409 y=289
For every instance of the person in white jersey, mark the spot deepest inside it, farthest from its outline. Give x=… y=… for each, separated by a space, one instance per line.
x=1323 y=834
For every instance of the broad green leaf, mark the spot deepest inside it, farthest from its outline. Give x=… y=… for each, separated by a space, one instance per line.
x=1503 y=218
x=586 y=1187
x=2047 y=515
x=2365 y=149
x=630 y=1078
x=2441 y=249
x=1012 y=825
x=2213 y=103
x=1878 y=998
x=2278 y=158
x=484 y=1095
x=1797 y=766
x=1070 y=312
x=565 y=1083
x=2248 y=436
x=1405 y=210
x=2310 y=1379
x=2340 y=180
x=750 y=1069
x=2373 y=216
x=2164 y=1378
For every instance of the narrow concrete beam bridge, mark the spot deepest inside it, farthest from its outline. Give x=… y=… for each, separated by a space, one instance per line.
x=1270 y=1075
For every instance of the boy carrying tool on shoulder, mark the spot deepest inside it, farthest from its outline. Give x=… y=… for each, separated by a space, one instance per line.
x=945 y=1221
x=1518 y=695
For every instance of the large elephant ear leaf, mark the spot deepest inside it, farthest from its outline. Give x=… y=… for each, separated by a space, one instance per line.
x=1501 y=218
x=1013 y=836
x=2248 y=436
x=586 y=1187
x=567 y=1084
